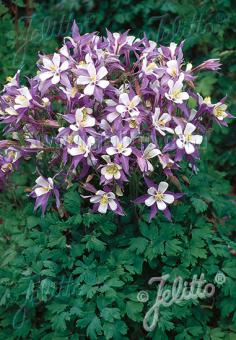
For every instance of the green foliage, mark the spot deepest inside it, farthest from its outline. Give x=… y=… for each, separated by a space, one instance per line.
x=77 y=274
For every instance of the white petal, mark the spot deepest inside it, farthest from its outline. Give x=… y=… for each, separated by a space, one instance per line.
x=45 y=75
x=162 y=187
x=168 y=198
x=102 y=208
x=178 y=130
x=183 y=96
x=74 y=127
x=157 y=113
x=197 y=139
x=74 y=151
x=166 y=117
x=55 y=78
x=90 y=121
x=89 y=89
x=124 y=99
x=153 y=153
x=152 y=191
x=136 y=100
x=180 y=144
x=40 y=191
x=126 y=141
x=90 y=141
x=64 y=66
x=83 y=80
x=161 y=205
x=47 y=63
x=189 y=129
x=189 y=148
x=41 y=181
x=56 y=59
x=92 y=70
x=103 y=83
x=117 y=175
x=112 y=205
x=95 y=199
x=127 y=152
x=121 y=108
x=102 y=72
x=112 y=116
x=150 y=201
x=115 y=141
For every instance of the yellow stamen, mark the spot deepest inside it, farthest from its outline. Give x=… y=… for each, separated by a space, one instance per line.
x=112 y=169
x=159 y=196
x=104 y=199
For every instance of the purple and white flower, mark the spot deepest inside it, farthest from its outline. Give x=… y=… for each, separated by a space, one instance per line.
x=159 y=197
x=104 y=200
x=186 y=138
x=83 y=119
x=175 y=92
x=120 y=146
x=128 y=105
x=82 y=147
x=159 y=122
x=93 y=79
x=52 y=69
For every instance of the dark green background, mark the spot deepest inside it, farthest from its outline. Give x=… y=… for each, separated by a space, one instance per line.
x=111 y=259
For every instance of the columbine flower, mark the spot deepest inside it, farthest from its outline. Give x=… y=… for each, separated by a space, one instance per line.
x=55 y=67
x=150 y=152
x=159 y=122
x=186 y=140
x=111 y=170
x=148 y=68
x=120 y=146
x=105 y=200
x=93 y=79
x=158 y=196
x=42 y=191
x=44 y=186
x=82 y=148
x=210 y=64
x=175 y=91
x=23 y=99
x=128 y=105
x=172 y=68
x=219 y=111
x=83 y=119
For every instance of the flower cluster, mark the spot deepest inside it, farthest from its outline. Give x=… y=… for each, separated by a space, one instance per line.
x=102 y=110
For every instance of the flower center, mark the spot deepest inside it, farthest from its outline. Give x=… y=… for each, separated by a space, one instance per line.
x=131 y=105
x=11 y=154
x=22 y=100
x=151 y=67
x=104 y=199
x=53 y=68
x=176 y=93
x=120 y=147
x=112 y=169
x=159 y=196
x=6 y=167
x=207 y=100
x=188 y=137
x=133 y=124
x=82 y=148
x=161 y=122
x=173 y=72
x=219 y=112
x=93 y=78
